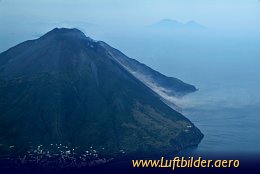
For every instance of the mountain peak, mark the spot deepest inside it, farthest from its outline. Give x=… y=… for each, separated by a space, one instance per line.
x=168 y=23
x=174 y=24
x=194 y=24
x=168 y=20
x=65 y=30
x=72 y=32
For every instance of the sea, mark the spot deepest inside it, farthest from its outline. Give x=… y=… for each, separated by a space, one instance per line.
x=224 y=67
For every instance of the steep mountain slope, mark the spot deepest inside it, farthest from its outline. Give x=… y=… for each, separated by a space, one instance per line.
x=66 y=88
x=153 y=79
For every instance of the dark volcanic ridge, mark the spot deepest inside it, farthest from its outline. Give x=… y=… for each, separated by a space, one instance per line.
x=65 y=88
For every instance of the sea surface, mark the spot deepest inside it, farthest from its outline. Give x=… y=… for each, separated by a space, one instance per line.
x=226 y=108
x=226 y=71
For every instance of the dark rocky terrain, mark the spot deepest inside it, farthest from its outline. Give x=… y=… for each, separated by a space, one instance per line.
x=65 y=88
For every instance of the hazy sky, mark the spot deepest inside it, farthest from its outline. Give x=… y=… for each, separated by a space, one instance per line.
x=28 y=19
x=212 y=13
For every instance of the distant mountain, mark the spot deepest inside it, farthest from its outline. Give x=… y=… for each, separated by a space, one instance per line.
x=67 y=88
x=168 y=23
x=173 y=24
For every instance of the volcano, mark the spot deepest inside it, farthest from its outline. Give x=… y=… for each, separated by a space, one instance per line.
x=67 y=88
